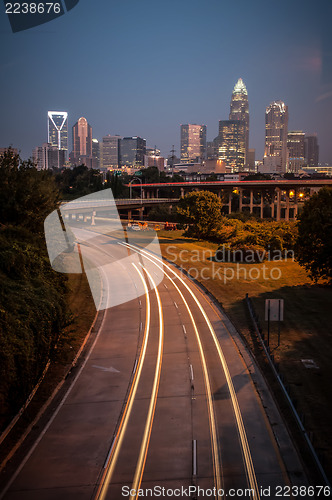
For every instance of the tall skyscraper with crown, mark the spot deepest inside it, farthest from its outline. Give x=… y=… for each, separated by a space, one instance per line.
x=239 y=111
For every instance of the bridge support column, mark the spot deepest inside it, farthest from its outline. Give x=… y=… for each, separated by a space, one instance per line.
x=182 y=192
x=140 y=212
x=251 y=200
x=262 y=205
x=230 y=202
x=278 y=203
x=129 y=214
x=287 y=206
x=143 y=194
x=240 y=199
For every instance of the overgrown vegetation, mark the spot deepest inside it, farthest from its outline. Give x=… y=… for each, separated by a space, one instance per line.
x=264 y=239
x=33 y=307
x=314 y=244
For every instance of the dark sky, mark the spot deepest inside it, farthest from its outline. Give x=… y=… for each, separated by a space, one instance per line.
x=142 y=67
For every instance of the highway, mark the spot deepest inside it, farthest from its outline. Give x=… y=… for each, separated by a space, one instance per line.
x=163 y=398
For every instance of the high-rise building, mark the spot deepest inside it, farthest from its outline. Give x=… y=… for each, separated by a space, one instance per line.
x=110 y=151
x=276 y=130
x=95 y=153
x=251 y=159
x=48 y=156
x=153 y=158
x=311 y=150
x=193 y=143
x=57 y=125
x=132 y=151
x=82 y=141
x=295 y=146
x=211 y=150
x=239 y=110
x=230 y=143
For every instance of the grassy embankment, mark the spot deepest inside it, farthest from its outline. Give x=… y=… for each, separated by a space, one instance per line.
x=305 y=332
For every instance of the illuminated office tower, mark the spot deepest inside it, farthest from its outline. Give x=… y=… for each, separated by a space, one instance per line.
x=240 y=111
x=57 y=125
x=82 y=142
x=193 y=143
x=295 y=146
x=276 y=131
x=311 y=150
x=95 y=153
x=110 y=151
x=132 y=151
x=230 y=143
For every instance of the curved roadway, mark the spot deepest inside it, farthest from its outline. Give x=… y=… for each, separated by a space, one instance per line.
x=163 y=399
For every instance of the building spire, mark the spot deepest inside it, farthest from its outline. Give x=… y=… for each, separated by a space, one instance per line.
x=240 y=87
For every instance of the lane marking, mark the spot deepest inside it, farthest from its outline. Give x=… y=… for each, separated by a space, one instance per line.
x=194 y=458
x=191 y=373
x=104 y=369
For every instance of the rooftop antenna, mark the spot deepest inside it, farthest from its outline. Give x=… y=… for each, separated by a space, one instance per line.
x=172 y=159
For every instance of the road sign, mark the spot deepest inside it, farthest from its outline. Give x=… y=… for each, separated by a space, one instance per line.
x=274 y=309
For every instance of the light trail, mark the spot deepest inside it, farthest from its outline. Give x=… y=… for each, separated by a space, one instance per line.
x=153 y=400
x=117 y=442
x=212 y=422
x=237 y=412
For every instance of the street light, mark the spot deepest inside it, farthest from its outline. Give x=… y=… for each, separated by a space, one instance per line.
x=130 y=187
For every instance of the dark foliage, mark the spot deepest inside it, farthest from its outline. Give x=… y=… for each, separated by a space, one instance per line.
x=314 y=243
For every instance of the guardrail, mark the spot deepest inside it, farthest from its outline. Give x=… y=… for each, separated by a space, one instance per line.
x=276 y=373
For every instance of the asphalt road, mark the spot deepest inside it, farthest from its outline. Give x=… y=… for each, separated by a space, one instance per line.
x=164 y=398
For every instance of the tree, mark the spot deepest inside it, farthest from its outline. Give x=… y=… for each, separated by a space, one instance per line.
x=314 y=242
x=27 y=195
x=79 y=181
x=202 y=210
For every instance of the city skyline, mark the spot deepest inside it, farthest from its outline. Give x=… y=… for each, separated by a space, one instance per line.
x=171 y=81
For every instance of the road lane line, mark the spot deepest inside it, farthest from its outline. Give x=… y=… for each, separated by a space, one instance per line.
x=153 y=400
x=112 y=460
x=194 y=458
x=191 y=373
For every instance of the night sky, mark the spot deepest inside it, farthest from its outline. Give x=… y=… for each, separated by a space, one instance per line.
x=144 y=67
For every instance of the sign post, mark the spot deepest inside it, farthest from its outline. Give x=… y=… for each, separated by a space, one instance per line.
x=274 y=311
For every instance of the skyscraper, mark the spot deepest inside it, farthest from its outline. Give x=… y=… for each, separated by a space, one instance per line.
x=82 y=139
x=276 y=131
x=48 y=156
x=95 y=153
x=57 y=126
x=295 y=146
x=230 y=143
x=132 y=151
x=193 y=143
x=311 y=150
x=239 y=110
x=110 y=151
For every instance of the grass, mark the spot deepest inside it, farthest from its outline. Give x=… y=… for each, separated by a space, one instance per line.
x=306 y=332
